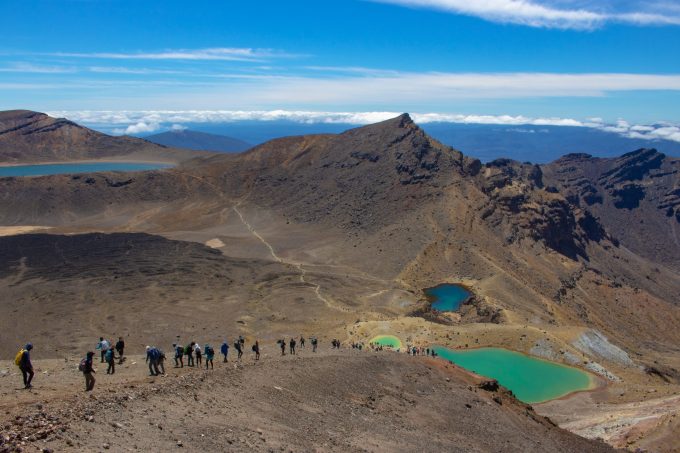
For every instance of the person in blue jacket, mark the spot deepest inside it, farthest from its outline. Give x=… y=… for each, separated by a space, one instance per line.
x=225 y=351
x=153 y=356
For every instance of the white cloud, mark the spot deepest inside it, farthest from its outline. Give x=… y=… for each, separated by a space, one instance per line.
x=139 y=128
x=247 y=91
x=438 y=87
x=31 y=68
x=135 y=122
x=124 y=70
x=210 y=54
x=177 y=127
x=554 y=13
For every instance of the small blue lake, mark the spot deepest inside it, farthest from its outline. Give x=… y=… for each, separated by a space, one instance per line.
x=77 y=167
x=447 y=297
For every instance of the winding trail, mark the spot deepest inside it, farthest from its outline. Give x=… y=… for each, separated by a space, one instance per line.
x=297 y=265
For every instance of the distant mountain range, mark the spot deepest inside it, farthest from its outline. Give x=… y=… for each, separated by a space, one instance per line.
x=525 y=143
x=200 y=141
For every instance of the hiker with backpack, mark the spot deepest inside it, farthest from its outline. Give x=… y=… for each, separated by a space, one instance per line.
x=302 y=342
x=256 y=350
x=152 y=358
x=110 y=359
x=315 y=343
x=120 y=347
x=292 y=345
x=179 y=353
x=23 y=361
x=87 y=368
x=189 y=352
x=197 y=351
x=103 y=346
x=209 y=355
x=225 y=350
x=282 y=344
x=239 y=348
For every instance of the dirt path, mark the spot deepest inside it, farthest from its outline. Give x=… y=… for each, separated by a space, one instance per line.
x=300 y=268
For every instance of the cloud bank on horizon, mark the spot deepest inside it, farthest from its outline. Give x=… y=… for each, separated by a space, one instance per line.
x=564 y=14
x=141 y=122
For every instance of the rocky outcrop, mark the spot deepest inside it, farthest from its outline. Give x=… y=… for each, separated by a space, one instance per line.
x=520 y=206
x=639 y=189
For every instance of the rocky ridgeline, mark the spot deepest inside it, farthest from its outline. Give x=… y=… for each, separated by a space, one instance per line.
x=520 y=207
x=634 y=196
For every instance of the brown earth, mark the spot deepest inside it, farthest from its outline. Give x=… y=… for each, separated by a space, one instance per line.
x=335 y=401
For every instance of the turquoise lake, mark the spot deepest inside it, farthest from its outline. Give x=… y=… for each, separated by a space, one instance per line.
x=387 y=340
x=447 y=297
x=81 y=167
x=531 y=380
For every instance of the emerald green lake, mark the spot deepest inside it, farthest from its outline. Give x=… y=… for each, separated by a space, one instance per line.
x=77 y=167
x=387 y=341
x=447 y=297
x=531 y=380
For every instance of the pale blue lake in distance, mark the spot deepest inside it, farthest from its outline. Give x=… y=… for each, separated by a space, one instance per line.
x=78 y=167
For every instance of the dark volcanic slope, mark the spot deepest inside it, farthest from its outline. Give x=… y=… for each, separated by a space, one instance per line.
x=200 y=141
x=27 y=137
x=636 y=197
x=68 y=289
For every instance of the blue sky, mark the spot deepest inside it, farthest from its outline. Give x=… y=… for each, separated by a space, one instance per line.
x=526 y=59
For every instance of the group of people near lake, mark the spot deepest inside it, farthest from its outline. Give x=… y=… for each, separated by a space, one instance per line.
x=415 y=350
x=193 y=353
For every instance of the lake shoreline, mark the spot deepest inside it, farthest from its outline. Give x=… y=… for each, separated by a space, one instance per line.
x=90 y=161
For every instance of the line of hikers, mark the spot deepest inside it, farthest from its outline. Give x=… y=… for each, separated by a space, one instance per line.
x=194 y=354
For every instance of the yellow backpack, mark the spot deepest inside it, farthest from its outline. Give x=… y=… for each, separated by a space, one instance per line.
x=18 y=357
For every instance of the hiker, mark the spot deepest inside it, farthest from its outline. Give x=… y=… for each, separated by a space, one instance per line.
x=302 y=342
x=189 y=352
x=239 y=349
x=242 y=341
x=120 y=347
x=110 y=359
x=161 y=360
x=197 y=351
x=282 y=343
x=179 y=353
x=209 y=355
x=23 y=361
x=152 y=357
x=292 y=345
x=427 y=352
x=256 y=350
x=88 y=371
x=225 y=351
x=315 y=342
x=103 y=346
